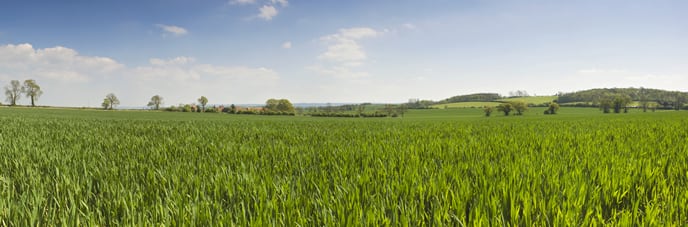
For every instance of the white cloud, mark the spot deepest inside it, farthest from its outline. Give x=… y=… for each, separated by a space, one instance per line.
x=242 y=2
x=71 y=79
x=286 y=45
x=57 y=63
x=344 y=53
x=173 y=30
x=343 y=47
x=267 y=12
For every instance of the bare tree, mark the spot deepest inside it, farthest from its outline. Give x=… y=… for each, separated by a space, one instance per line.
x=13 y=92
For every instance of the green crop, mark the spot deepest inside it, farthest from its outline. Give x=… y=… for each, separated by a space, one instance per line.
x=71 y=167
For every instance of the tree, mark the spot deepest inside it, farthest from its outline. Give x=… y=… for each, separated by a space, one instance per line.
x=232 y=108
x=105 y=104
x=13 y=92
x=279 y=105
x=403 y=108
x=361 y=108
x=553 y=108
x=389 y=109
x=488 y=110
x=155 y=102
x=642 y=94
x=32 y=90
x=620 y=101
x=506 y=108
x=519 y=106
x=284 y=105
x=203 y=101
x=605 y=105
x=110 y=101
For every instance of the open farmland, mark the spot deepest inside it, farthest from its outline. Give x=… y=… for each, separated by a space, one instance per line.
x=452 y=167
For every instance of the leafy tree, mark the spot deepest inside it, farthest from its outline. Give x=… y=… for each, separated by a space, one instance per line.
x=519 y=106
x=110 y=101
x=279 y=105
x=605 y=105
x=284 y=105
x=488 y=110
x=32 y=90
x=506 y=108
x=361 y=108
x=620 y=101
x=13 y=92
x=203 y=101
x=105 y=104
x=553 y=108
x=155 y=102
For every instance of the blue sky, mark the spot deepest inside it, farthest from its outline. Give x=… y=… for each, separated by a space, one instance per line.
x=247 y=51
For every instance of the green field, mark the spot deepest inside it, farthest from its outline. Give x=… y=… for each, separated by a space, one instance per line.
x=531 y=99
x=433 y=167
x=465 y=105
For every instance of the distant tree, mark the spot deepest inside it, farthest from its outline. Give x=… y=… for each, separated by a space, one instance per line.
x=402 y=109
x=284 y=105
x=519 y=107
x=488 y=110
x=13 y=92
x=271 y=104
x=553 y=108
x=605 y=105
x=155 y=102
x=642 y=95
x=361 y=108
x=232 y=108
x=110 y=101
x=620 y=101
x=105 y=104
x=389 y=109
x=680 y=100
x=506 y=108
x=203 y=101
x=32 y=90
x=279 y=105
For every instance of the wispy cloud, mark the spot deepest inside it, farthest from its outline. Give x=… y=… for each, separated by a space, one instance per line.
x=343 y=47
x=172 y=30
x=267 y=12
x=286 y=45
x=344 y=53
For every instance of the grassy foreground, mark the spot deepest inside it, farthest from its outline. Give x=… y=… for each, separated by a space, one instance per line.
x=452 y=167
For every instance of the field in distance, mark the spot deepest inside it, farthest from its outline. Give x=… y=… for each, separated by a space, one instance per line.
x=431 y=167
x=530 y=100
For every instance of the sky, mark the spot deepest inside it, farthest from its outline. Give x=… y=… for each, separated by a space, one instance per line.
x=334 y=51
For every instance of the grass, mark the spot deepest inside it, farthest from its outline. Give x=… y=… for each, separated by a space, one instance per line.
x=465 y=105
x=432 y=167
x=532 y=99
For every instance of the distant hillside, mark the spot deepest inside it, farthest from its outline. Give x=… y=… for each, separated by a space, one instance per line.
x=663 y=98
x=477 y=97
